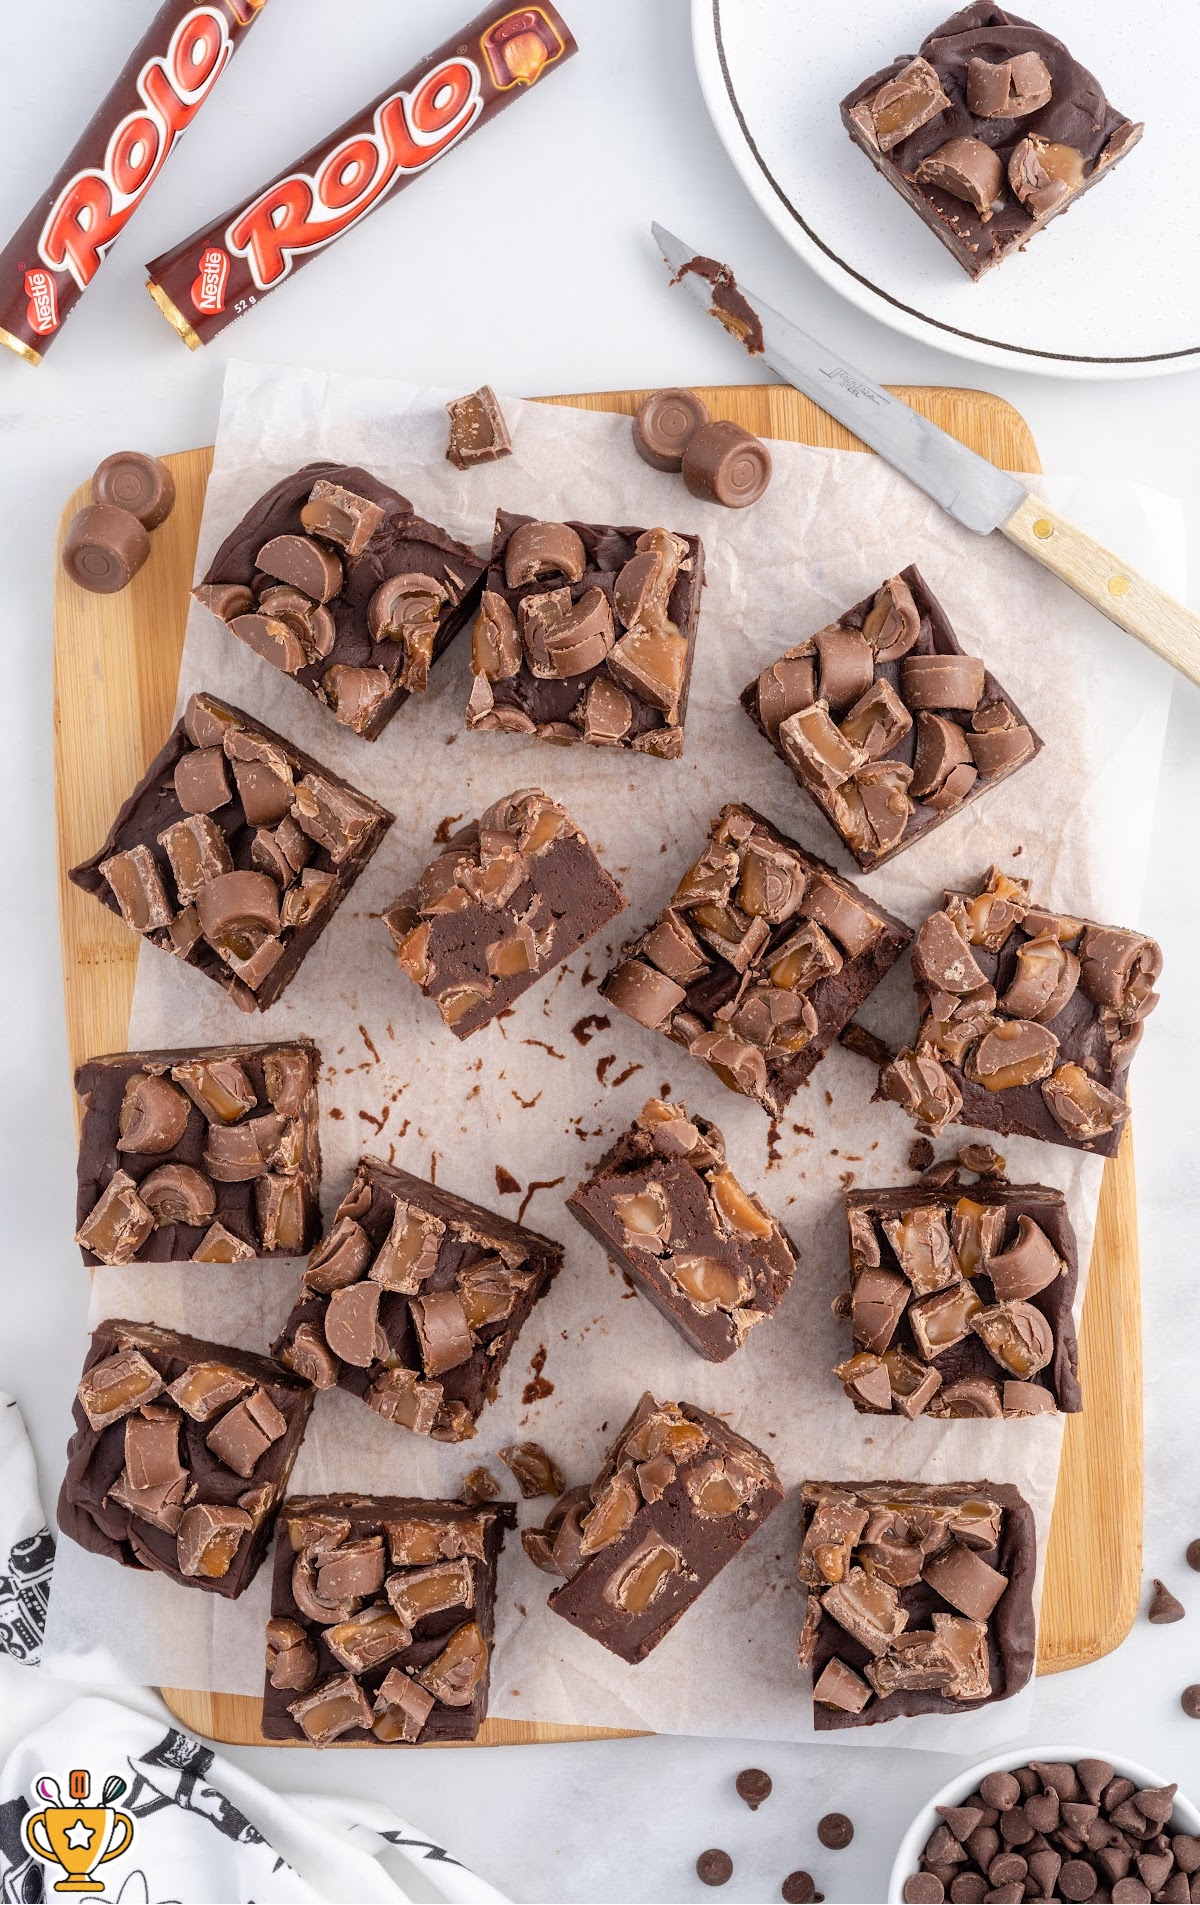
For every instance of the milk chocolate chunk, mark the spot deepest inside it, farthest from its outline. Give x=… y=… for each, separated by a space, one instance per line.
x=337 y=515
x=534 y=550
x=414 y=1300
x=905 y=102
x=967 y=169
x=1043 y=174
x=665 y=424
x=202 y=781
x=723 y=463
x=104 y=548
x=1008 y=89
x=141 y=484
x=536 y=1472
x=478 y=432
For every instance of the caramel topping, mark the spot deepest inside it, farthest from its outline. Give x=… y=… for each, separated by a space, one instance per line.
x=643 y=1576
x=707 y=1282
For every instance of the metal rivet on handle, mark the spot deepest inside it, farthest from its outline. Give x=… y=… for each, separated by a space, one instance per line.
x=1118 y=585
x=1043 y=527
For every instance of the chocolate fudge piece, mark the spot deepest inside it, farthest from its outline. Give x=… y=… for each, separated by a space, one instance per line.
x=760 y=957
x=673 y=1504
x=667 y=1208
x=989 y=132
x=920 y=1597
x=234 y=851
x=181 y=1454
x=208 y=1156
x=335 y=580
x=960 y=1301
x=381 y=1621
x=886 y=723
x=587 y=633
x=1029 y=1019
x=414 y=1300
x=509 y=897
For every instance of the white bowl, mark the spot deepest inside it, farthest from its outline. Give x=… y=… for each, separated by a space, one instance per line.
x=1185 y=1817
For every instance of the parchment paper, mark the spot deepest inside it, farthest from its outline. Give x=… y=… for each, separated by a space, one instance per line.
x=531 y=1097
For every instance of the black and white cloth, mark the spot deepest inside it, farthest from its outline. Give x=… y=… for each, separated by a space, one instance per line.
x=26 y=1544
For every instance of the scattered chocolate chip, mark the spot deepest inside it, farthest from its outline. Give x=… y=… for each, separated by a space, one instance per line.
x=798 y=1889
x=920 y=1155
x=1193 y=1555
x=1189 y=1700
x=753 y=1786
x=715 y=1867
x=1164 y=1607
x=835 y=1830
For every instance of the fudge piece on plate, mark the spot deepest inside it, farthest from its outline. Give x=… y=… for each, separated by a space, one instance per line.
x=382 y=1612
x=212 y=1156
x=674 y=1503
x=1029 y=1019
x=668 y=1209
x=886 y=723
x=760 y=957
x=234 y=851
x=335 y=580
x=920 y=1597
x=414 y=1300
x=587 y=633
x=181 y=1454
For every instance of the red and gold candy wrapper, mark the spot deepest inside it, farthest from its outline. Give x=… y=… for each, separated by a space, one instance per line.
x=49 y=264
x=227 y=268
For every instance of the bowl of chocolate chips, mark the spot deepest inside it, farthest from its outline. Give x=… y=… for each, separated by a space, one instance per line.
x=1060 y=1824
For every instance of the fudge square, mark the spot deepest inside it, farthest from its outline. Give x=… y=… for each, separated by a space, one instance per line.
x=668 y=1210
x=960 y=1301
x=674 y=1503
x=989 y=132
x=509 y=897
x=202 y=1156
x=234 y=851
x=414 y=1300
x=382 y=1611
x=920 y=1597
x=335 y=580
x=758 y=960
x=587 y=633
x=181 y=1455
x=886 y=723
x=1029 y=1019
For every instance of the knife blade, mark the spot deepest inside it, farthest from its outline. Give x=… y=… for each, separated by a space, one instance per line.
x=969 y=488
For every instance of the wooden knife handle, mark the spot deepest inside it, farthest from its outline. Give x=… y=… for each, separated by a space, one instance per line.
x=1127 y=598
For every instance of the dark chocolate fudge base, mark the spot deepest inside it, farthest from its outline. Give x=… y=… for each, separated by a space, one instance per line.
x=666 y=1207
x=395 y=1243
x=702 y=973
x=211 y=1505
x=340 y=830
x=1007 y=744
x=633 y=696
x=945 y=1255
x=403 y=544
x=463 y=1542
x=1007 y=1657
x=198 y=1214
x=1076 y=116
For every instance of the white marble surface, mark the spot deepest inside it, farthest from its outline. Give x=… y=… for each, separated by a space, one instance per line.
x=616 y=139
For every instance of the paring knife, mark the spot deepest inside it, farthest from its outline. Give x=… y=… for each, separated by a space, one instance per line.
x=972 y=490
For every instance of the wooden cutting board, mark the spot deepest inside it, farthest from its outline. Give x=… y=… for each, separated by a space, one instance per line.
x=116 y=669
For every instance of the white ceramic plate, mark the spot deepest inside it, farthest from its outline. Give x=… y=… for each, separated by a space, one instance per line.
x=1110 y=289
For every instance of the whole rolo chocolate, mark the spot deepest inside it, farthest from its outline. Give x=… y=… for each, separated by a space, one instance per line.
x=104 y=548
x=141 y=484
x=665 y=424
x=725 y=464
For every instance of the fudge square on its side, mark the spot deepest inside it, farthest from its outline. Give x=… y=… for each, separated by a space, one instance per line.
x=234 y=851
x=886 y=724
x=1029 y=1019
x=920 y=1597
x=678 y=1497
x=989 y=132
x=587 y=633
x=181 y=1454
x=335 y=580
x=382 y=1614
x=207 y=1156
x=414 y=1300
x=758 y=960
x=667 y=1208
x=960 y=1301
x=509 y=897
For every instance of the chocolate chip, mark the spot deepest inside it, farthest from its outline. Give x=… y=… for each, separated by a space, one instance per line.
x=1130 y=1892
x=1000 y=1790
x=835 y=1830
x=714 y=1867
x=969 y=1888
x=1193 y=1555
x=1077 y=1881
x=798 y=1889
x=753 y=1785
x=1164 y=1607
x=1094 y=1776
x=922 y=1889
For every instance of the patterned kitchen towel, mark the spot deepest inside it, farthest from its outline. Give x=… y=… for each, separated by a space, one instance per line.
x=26 y=1544
x=152 y=1814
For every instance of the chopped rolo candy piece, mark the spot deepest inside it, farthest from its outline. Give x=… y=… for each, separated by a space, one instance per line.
x=536 y=1472
x=478 y=432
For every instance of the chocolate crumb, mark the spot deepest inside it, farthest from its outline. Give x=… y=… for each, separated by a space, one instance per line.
x=444 y=828
x=479 y=1486
x=753 y=1785
x=1164 y=1607
x=537 y=1387
x=535 y=1184
x=921 y=1155
x=714 y=1867
x=856 y=1038
x=835 y=1830
x=586 y=1028
x=506 y=1183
